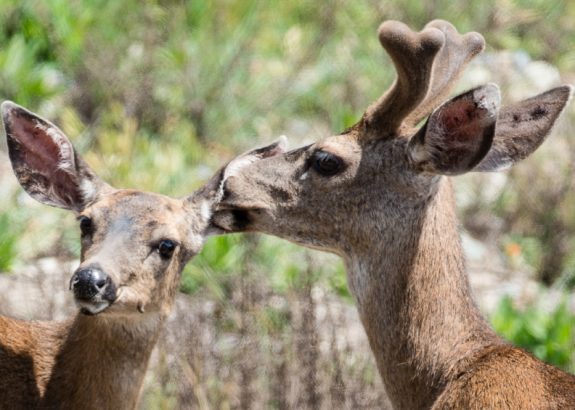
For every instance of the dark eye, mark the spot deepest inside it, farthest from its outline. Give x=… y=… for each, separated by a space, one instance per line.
x=166 y=248
x=86 y=226
x=326 y=164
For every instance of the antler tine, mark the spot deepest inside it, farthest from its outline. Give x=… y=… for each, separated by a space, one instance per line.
x=449 y=64
x=412 y=54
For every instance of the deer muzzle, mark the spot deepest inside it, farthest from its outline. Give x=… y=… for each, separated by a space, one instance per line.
x=93 y=289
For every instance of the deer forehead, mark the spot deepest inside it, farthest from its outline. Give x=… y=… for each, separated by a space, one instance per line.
x=125 y=209
x=341 y=145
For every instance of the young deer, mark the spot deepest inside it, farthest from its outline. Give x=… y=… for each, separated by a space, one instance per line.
x=377 y=196
x=134 y=247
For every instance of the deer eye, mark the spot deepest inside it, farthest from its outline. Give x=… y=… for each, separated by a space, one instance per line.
x=326 y=164
x=166 y=248
x=86 y=226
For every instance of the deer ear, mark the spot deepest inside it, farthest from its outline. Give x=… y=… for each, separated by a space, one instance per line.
x=458 y=134
x=213 y=191
x=278 y=147
x=522 y=128
x=45 y=162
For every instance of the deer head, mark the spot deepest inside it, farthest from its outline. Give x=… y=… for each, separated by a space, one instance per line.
x=134 y=244
x=347 y=192
x=378 y=195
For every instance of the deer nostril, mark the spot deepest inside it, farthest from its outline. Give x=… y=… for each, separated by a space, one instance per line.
x=225 y=192
x=89 y=282
x=100 y=283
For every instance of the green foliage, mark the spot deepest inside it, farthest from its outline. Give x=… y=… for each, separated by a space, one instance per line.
x=222 y=64
x=9 y=232
x=22 y=76
x=219 y=259
x=282 y=266
x=548 y=334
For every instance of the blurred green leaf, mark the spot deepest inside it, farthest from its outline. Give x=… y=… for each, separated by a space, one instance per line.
x=549 y=335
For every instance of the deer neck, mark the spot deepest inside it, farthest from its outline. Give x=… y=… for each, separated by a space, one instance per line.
x=414 y=301
x=100 y=360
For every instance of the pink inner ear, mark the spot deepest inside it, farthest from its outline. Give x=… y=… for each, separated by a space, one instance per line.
x=45 y=150
x=463 y=120
x=459 y=133
x=42 y=159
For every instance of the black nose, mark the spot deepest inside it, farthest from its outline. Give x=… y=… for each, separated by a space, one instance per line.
x=89 y=282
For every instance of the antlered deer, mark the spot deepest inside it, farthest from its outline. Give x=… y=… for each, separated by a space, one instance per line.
x=378 y=196
x=134 y=247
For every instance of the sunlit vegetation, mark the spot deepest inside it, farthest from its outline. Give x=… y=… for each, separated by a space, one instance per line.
x=158 y=94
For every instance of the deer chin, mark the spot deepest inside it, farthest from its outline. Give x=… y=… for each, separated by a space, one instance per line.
x=125 y=302
x=92 y=308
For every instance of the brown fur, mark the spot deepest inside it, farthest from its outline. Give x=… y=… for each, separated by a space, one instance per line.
x=97 y=361
x=389 y=212
x=84 y=362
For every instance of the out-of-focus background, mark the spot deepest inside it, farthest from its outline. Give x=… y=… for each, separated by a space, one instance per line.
x=157 y=94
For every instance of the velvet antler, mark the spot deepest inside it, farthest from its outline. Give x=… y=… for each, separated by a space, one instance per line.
x=448 y=66
x=427 y=64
